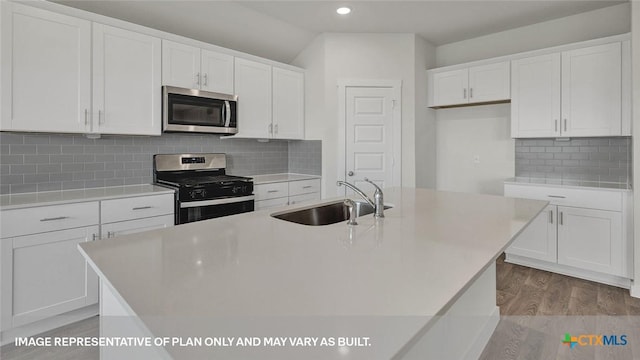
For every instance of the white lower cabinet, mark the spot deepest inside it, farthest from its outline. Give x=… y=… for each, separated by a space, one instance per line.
x=43 y=274
x=582 y=240
x=591 y=239
x=48 y=274
x=282 y=193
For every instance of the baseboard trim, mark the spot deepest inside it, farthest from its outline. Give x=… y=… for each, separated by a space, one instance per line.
x=634 y=291
x=570 y=271
x=8 y=336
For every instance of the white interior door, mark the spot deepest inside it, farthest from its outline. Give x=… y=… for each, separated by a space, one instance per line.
x=371 y=125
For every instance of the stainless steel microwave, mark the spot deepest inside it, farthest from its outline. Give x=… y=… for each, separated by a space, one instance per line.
x=189 y=110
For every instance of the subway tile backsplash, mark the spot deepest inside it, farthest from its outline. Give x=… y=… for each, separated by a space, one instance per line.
x=44 y=162
x=606 y=159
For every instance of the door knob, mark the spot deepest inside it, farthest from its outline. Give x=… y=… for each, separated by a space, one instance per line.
x=350 y=173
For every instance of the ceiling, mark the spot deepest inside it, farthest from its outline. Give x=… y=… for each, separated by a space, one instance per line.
x=279 y=30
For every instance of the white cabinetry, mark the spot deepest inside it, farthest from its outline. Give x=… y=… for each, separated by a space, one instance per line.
x=583 y=233
x=46 y=70
x=573 y=93
x=194 y=68
x=126 y=82
x=47 y=75
x=43 y=273
x=270 y=101
x=286 y=193
x=136 y=214
x=476 y=84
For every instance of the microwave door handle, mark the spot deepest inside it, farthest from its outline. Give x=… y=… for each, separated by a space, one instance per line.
x=227 y=114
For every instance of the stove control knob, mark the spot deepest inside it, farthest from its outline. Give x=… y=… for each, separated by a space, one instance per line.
x=235 y=189
x=203 y=193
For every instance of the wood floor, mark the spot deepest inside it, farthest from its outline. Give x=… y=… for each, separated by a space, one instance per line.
x=537 y=308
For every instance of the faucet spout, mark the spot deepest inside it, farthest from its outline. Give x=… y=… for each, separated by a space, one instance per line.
x=377 y=205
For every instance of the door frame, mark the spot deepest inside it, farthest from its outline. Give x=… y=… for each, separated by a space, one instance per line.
x=396 y=87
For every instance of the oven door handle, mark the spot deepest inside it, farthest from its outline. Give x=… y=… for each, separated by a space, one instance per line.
x=224 y=201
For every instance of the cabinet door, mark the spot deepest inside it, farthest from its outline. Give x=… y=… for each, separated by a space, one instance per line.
x=253 y=87
x=46 y=70
x=180 y=65
x=136 y=226
x=590 y=239
x=539 y=239
x=288 y=104
x=535 y=96
x=217 y=72
x=591 y=91
x=450 y=87
x=45 y=275
x=489 y=82
x=126 y=82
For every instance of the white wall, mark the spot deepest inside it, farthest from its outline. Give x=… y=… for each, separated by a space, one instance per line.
x=456 y=141
x=612 y=20
x=635 y=45
x=425 y=134
x=464 y=133
x=335 y=56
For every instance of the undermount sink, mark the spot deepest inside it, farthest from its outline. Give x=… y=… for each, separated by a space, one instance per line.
x=325 y=214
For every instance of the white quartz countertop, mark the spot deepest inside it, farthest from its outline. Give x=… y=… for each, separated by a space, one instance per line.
x=601 y=185
x=411 y=265
x=271 y=178
x=18 y=201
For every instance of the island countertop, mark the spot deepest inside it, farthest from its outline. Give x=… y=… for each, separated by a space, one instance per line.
x=415 y=262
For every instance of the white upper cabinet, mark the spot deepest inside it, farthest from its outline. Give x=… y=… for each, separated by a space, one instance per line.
x=194 y=68
x=535 y=96
x=270 y=101
x=288 y=104
x=591 y=91
x=450 y=87
x=46 y=70
x=180 y=65
x=126 y=82
x=573 y=93
x=476 y=84
x=217 y=70
x=253 y=87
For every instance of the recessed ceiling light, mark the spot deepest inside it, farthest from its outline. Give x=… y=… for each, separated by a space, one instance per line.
x=343 y=10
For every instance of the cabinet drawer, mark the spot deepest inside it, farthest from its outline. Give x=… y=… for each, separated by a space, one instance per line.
x=48 y=218
x=304 y=187
x=585 y=198
x=265 y=204
x=271 y=191
x=136 y=207
x=304 y=198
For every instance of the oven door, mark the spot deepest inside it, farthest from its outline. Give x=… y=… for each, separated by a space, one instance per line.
x=186 y=110
x=208 y=209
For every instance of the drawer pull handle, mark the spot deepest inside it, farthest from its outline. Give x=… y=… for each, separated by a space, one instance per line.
x=557 y=196
x=142 y=207
x=272 y=191
x=55 y=218
x=110 y=234
x=307 y=187
x=561 y=218
x=551 y=216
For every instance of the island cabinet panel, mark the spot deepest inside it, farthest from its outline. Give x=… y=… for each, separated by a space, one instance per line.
x=46 y=70
x=577 y=234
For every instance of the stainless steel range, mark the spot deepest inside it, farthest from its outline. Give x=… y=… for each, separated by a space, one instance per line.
x=203 y=189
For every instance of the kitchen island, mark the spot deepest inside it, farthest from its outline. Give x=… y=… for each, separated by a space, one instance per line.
x=419 y=283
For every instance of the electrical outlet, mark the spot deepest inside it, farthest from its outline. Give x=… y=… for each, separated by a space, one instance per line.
x=476 y=159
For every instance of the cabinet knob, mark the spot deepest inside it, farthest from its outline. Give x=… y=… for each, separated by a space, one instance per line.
x=350 y=173
x=464 y=93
